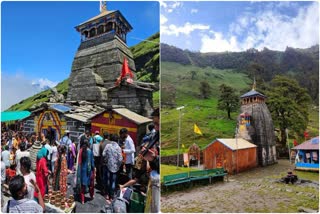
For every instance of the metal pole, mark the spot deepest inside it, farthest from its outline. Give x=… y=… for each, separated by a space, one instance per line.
x=179 y=138
x=179 y=134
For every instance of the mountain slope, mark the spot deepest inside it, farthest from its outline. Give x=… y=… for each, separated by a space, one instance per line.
x=146 y=56
x=301 y=64
x=179 y=89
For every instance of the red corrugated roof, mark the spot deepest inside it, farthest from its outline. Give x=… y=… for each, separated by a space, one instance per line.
x=312 y=144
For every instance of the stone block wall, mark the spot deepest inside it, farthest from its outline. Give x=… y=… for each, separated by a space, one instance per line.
x=96 y=66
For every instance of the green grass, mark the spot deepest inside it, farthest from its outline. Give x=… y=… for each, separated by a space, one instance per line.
x=169 y=170
x=26 y=104
x=213 y=123
x=156 y=97
x=313 y=125
x=313 y=176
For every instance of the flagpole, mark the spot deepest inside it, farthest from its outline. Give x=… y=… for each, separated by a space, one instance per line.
x=179 y=130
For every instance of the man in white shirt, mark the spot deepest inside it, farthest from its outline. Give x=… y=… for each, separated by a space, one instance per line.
x=5 y=155
x=129 y=150
x=25 y=163
x=19 y=154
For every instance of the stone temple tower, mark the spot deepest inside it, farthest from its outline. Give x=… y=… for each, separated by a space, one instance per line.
x=255 y=125
x=99 y=58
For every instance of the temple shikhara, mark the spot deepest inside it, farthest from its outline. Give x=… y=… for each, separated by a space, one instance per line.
x=256 y=126
x=100 y=60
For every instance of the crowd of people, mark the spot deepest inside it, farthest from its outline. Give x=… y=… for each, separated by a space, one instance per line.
x=110 y=163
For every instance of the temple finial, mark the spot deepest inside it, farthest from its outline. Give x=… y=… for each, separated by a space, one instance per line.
x=254 y=86
x=103 y=6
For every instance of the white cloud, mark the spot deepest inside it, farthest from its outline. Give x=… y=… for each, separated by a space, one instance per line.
x=17 y=87
x=163 y=19
x=163 y=4
x=269 y=28
x=186 y=29
x=216 y=43
x=194 y=11
x=169 y=7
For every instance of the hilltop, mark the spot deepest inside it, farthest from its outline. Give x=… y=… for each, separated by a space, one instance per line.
x=301 y=64
x=235 y=69
x=146 y=57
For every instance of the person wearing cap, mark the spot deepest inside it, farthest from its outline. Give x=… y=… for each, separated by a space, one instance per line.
x=96 y=154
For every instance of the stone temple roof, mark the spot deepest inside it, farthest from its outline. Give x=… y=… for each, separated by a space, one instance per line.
x=105 y=13
x=252 y=93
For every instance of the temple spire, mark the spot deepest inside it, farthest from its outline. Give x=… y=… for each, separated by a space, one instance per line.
x=103 y=6
x=254 y=86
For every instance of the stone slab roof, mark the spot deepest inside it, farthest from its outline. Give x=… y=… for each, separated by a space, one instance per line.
x=252 y=93
x=84 y=113
x=234 y=144
x=312 y=144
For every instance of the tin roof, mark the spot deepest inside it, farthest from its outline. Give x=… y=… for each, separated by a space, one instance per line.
x=312 y=144
x=252 y=93
x=234 y=144
x=134 y=117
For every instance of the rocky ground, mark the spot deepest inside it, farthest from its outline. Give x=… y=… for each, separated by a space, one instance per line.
x=257 y=190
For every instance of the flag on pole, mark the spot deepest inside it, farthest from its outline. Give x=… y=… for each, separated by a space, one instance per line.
x=197 y=130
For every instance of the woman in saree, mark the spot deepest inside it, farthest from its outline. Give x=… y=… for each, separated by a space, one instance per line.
x=42 y=172
x=85 y=171
x=60 y=174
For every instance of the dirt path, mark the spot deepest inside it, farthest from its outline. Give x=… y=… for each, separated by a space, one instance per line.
x=252 y=191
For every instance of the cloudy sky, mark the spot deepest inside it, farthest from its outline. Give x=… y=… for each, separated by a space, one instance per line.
x=237 y=26
x=39 y=42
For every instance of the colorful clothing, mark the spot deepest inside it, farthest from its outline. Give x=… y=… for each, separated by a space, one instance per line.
x=42 y=171
x=60 y=175
x=71 y=156
x=85 y=174
x=113 y=154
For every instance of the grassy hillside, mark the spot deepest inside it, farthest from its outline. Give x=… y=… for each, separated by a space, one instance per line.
x=146 y=57
x=26 y=104
x=177 y=89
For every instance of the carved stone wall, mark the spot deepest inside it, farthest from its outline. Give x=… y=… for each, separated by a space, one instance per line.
x=96 y=66
x=262 y=132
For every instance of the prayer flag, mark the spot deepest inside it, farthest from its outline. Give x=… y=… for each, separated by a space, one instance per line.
x=197 y=130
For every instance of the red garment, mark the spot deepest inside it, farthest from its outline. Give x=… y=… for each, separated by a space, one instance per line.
x=10 y=173
x=41 y=176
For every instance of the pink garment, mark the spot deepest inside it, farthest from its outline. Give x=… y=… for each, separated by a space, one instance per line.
x=41 y=176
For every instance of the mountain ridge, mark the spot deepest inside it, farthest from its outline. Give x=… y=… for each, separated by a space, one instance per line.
x=301 y=64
